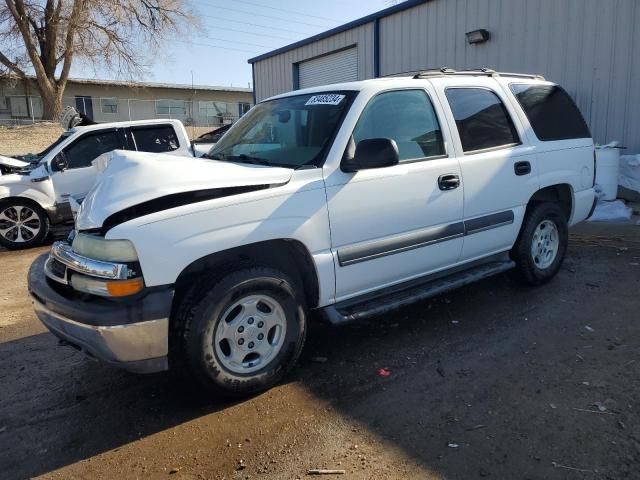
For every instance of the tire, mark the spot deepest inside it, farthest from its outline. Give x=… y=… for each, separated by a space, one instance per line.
x=542 y=243
x=242 y=334
x=15 y=235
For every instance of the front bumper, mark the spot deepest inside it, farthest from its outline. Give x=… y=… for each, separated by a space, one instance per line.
x=131 y=334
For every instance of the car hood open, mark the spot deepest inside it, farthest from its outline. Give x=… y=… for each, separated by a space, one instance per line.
x=140 y=183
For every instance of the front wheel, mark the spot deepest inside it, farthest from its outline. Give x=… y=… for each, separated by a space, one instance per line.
x=246 y=332
x=23 y=224
x=542 y=243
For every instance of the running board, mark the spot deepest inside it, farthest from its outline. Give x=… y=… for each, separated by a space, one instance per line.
x=397 y=297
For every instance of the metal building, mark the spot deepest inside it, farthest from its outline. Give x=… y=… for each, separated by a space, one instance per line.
x=591 y=47
x=115 y=101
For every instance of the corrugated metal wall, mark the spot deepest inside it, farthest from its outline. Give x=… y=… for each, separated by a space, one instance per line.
x=275 y=75
x=591 y=47
x=588 y=46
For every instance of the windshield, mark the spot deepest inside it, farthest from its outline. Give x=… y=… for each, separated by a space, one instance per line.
x=61 y=139
x=286 y=132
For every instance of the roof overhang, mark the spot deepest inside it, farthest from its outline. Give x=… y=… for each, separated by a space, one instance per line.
x=131 y=84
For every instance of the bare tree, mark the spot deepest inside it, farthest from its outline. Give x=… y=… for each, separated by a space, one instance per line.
x=46 y=37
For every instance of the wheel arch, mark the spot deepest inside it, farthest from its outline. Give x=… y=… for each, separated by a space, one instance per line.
x=561 y=194
x=34 y=201
x=28 y=200
x=290 y=256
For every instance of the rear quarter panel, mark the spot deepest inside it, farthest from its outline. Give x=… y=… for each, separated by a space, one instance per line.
x=569 y=162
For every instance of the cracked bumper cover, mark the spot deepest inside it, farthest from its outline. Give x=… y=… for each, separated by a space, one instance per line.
x=130 y=334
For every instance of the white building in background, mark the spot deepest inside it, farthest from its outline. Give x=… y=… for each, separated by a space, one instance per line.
x=110 y=101
x=591 y=47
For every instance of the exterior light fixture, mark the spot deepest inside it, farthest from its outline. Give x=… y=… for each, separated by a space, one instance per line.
x=478 y=36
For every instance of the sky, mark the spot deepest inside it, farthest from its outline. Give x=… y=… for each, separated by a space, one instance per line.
x=236 y=30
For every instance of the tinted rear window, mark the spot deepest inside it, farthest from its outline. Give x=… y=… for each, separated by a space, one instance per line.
x=482 y=119
x=551 y=112
x=155 y=139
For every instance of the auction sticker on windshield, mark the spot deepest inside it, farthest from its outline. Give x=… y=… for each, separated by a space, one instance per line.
x=327 y=99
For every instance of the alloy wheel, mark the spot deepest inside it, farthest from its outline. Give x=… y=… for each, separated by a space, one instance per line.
x=19 y=224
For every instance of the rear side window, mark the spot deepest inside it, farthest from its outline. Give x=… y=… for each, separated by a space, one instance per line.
x=155 y=139
x=482 y=119
x=551 y=112
x=407 y=117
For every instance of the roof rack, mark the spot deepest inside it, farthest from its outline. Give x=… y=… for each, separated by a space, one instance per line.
x=445 y=71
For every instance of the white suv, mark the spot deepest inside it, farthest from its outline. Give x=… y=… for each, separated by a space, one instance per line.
x=347 y=200
x=38 y=194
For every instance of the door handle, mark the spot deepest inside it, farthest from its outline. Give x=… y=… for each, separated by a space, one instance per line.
x=448 y=182
x=522 y=168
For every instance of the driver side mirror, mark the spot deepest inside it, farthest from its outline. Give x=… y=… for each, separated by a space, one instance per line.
x=60 y=162
x=372 y=153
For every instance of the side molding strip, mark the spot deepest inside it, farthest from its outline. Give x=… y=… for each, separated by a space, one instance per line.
x=401 y=243
x=488 y=222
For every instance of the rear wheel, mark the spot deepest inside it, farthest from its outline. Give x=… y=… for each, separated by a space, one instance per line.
x=542 y=243
x=23 y=224
x=243 y=334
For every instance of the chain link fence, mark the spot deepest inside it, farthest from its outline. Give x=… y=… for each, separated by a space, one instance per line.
x=209 y=114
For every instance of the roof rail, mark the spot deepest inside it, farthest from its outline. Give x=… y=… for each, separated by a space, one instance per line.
x=521 y=75
x=445 y=71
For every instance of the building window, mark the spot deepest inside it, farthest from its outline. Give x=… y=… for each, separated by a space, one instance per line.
x=171 y=107
x=213 y=108
x=109 y=105
x=19 y=106
x=243 y=108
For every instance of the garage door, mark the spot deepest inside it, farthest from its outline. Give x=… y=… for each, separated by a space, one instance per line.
x=333 y=68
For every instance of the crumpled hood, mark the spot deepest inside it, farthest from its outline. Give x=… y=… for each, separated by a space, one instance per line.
x=12 y=162
x=127 y=179
x=11 y=165
x=24 y=177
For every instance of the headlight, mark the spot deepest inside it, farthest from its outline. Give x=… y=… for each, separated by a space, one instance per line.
x=99 y=248
x=106 y=288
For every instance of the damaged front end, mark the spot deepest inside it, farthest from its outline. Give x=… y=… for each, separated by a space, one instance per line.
x=90 y=293
x=12 y=165
x=91 y=290
x=135 y=184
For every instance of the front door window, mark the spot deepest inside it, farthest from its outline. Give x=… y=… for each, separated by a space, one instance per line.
x=85 y=150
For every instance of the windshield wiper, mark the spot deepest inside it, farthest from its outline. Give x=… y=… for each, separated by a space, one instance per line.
x=247 y=159
x=243 y=158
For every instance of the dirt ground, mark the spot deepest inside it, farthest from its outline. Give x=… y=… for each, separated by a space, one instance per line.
x=35 y=138
x=494 y=380
x=25 y=139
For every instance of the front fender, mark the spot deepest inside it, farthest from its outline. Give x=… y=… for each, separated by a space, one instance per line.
x=39 y=192
x=168 y=242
